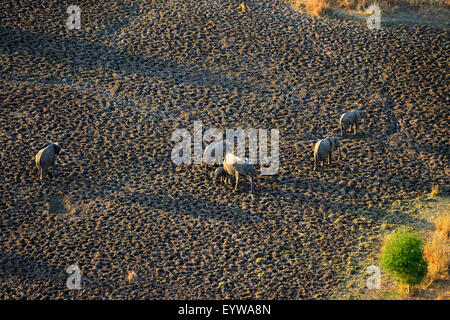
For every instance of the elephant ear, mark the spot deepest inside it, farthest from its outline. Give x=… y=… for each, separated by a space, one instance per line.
x=334 y=141
x=331 y=139
x=358 y=114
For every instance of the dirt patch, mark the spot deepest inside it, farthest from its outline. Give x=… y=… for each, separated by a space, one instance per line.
x=60 y=205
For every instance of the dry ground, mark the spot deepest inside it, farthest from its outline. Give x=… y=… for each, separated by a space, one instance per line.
x=113 y=92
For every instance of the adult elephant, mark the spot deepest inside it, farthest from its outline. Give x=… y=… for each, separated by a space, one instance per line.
x=239 y=168
x=324 y=148
x=351 y=119
x=46 y=158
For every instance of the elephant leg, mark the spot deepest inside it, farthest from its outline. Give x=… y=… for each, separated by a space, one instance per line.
x=43 y=172
x=329 y=157
x=51 y=170
x=237 y=181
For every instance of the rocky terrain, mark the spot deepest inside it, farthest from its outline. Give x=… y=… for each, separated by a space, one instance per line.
x=112 y=93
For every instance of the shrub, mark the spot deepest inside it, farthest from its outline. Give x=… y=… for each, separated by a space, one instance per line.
x=402 y=255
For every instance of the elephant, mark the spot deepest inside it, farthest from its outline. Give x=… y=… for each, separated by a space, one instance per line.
x=220 y=174
x=238 y=167
x=46 y=158
x=214 y=153
x=324 y=148
x=349 y=119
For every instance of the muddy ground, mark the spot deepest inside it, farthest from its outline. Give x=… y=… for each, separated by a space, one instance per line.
x=113 y=92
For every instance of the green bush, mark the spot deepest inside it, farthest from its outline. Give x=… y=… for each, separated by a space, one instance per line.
x=402 y=255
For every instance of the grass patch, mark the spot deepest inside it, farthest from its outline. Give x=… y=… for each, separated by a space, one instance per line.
x=442 y=223
x=437 y=256
x=430 y=217
x=318 y=7
x=435 y=191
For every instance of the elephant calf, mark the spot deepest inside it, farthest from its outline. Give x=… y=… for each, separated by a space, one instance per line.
x=238 y=167
x=349 y=119
x=222 y=175
x=46 y=158
x=324 y=148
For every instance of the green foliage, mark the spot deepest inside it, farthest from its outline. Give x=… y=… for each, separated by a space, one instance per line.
x=403 y=256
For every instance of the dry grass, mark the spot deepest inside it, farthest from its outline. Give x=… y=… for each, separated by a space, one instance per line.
x=445 y=296
x=437 y=255
x=131 y=276
x=437 y=250
x=435 y=190
x=317 y=7
x=442 y=224
x=243 y=7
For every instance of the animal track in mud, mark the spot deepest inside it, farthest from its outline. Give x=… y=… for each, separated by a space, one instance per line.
x=60 y=205
x=139 y=212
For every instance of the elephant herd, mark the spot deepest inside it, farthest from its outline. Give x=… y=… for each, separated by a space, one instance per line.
x=242 y=168
x=232 y=166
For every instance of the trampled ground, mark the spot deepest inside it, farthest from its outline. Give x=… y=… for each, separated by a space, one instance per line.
x=113 y=92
